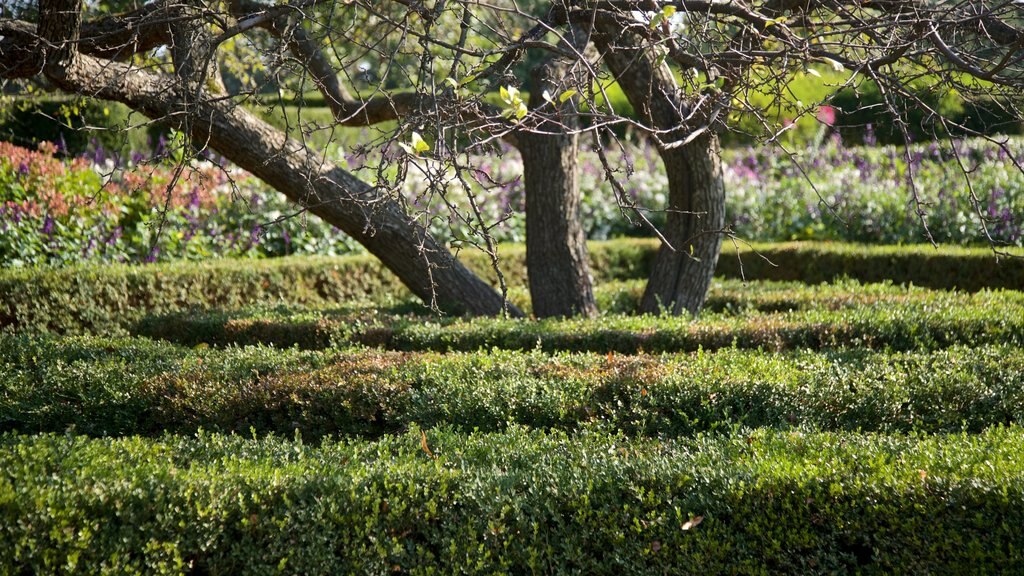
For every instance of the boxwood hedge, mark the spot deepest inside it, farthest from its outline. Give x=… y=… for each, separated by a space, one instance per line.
x=436 y=501
x=121 y=387
x=928 y=319
x=101 y=299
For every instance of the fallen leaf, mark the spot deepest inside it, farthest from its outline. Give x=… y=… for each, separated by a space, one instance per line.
x=423 y=443
x=693 y=522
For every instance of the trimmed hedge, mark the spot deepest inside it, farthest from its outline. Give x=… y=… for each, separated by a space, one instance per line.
x=101 y=299
x=433 y=501
x=935 y=320
x=104 y=299
x=78 y=123
x=946 y=268
x=119 y=387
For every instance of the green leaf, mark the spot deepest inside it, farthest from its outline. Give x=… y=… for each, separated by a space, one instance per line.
x=666 y=13
x=566 y=95
x=416 y=145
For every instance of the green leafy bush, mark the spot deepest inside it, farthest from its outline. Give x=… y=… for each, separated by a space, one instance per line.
x=58 y=212
x=105 y=299
x=933 y=320
x=75 y=124
x=105 y=387
x=837 y=193
x=429 y=501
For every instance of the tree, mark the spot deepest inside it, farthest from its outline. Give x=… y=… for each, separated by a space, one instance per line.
x=690 y=69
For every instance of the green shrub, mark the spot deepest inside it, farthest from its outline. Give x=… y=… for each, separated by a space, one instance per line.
x=106 y=299
x=100 y=299
x=120 y=387
x=430 y=501
x=931 y=320
x=865 y=113
x=78 y=124
x=946 y=268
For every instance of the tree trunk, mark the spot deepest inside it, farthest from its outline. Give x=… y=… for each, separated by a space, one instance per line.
x=680 y=278
x=556 y=247
x=377 y=222
x=683 y=268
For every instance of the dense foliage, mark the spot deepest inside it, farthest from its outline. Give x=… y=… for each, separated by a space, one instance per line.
x=133 y=208
x=521 y=501
x=115 y=387
x=842 y=427
x=933 y=321
x=111 y=299
x=104 y=208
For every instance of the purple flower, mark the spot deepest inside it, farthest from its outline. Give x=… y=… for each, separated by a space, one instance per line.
x=193 y=199
x=99 y=153
x=23 y=169
x=161 y=146
x=869 y=135
x=287 y=239
x=115 y=235
x=48 y=226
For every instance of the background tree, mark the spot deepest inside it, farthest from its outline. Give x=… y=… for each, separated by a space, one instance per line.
x=447 y=80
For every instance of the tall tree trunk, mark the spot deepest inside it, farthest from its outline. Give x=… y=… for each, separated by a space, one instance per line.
x=556 y=247
x=377 y=222
x=682 y=271
x=680 y=278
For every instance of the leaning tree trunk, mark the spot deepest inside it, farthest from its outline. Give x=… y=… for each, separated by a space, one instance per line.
x=556 y=247
x=330 y=192
x=683 y=268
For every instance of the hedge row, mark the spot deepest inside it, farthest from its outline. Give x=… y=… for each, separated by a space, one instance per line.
x=103 y=387
x=732 y=296
x=102 y=299
x=520 y=502
x=942 y=320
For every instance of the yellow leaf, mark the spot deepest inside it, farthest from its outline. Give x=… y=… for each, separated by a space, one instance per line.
x=423 y=444
x=416 y=145
x=693 y=522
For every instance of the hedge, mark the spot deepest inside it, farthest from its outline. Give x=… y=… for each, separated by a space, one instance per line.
x=104 y=299
x=946 y=268
x=120 y=387
x=78 y=124
x=941 y=320
x=434 y=501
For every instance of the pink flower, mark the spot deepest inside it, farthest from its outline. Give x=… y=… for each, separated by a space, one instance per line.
x=827 y=115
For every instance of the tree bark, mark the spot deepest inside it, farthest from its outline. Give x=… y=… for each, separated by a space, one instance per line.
x=556 y=247
x=373 y=219
x=681 y=276
x=683 y=268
